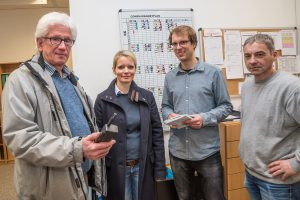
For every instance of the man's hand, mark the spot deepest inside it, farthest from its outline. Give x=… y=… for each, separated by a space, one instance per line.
x=95 y=151
x=170 y=116
x=281 y=167
x=196 y=122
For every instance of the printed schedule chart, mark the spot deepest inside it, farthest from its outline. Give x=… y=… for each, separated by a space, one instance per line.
x=146 y=33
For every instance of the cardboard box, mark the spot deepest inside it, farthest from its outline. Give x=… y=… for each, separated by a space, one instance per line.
x=233 y=131
x=234 y=165
x=235 y=181
x=239 y=194
x=232 y=149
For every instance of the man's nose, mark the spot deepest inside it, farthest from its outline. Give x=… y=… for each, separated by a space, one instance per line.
x=252 y=59
x=62 y=44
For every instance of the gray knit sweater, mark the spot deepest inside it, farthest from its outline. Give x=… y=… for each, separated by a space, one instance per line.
x=271 y=125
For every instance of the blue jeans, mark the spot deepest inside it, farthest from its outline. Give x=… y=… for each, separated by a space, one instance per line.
x=132 y=182
x=261 y=190
x=210 y=177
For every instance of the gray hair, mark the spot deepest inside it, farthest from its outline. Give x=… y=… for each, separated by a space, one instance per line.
x=54 y=18
x=263 y=39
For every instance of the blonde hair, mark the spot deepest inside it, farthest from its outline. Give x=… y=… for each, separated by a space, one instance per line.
x=124 y=53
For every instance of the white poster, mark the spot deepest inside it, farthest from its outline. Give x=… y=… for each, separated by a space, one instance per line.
x=288 y=38
x=146 y=33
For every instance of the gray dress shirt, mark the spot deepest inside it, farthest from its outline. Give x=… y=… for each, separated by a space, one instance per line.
x=200 y=91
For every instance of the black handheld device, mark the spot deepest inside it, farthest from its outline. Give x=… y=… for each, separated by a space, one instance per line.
x=108 y=131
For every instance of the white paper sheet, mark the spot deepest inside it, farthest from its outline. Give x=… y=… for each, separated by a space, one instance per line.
x=213 y=50
x=233 y=64
x=232 y=41
x=288 y=64
x=288 y=42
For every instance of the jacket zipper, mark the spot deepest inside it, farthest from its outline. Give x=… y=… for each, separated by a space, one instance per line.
x=78 y=181
x=44 y=84
x=59 y=120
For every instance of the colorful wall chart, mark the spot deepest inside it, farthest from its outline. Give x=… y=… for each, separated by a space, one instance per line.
x=146 y=32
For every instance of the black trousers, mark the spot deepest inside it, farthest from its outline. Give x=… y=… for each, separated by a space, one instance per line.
x=208 y=183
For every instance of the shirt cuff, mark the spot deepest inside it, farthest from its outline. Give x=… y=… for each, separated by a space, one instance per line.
x=204 y=118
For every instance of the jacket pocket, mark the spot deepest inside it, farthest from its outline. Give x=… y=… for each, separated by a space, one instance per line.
x=108 y=161
x=151 y=157
x=44 y=181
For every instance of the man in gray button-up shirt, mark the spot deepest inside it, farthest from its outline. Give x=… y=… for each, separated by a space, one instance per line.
x=199 y=90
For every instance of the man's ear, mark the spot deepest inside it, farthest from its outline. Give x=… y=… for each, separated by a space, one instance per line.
x=39 y=43
x=194 y=45
x=275 y=54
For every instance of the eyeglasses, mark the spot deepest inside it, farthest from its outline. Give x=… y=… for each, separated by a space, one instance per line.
x=57 y=41
x=181 y=44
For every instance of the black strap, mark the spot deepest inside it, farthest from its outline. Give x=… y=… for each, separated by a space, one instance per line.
x=73 y=79
x=41 y=62
x=36 y=74
x=45 y=84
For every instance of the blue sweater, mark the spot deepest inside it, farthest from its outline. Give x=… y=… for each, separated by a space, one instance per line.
x=72 y=106
x=133 y=121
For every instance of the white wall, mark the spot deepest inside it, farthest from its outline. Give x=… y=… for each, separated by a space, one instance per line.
x=297 y=5
x=98 y=27
x=17 y=27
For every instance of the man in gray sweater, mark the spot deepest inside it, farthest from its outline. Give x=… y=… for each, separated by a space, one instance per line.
x=270 y=132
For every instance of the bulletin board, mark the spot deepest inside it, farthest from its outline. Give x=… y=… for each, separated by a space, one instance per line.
x=146 y=33
x=223 y=47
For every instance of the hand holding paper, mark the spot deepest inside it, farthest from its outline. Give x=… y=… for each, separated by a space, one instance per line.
x=178 y=121
x=195 y=122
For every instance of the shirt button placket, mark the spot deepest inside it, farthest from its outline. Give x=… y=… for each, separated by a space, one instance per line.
x=187 y=92
x=187 y=81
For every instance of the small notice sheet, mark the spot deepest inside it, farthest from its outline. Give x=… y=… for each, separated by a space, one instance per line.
x=178 y=121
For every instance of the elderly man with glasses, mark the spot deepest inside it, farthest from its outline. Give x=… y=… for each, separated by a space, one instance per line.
x=197 y=89
x=49 y=123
